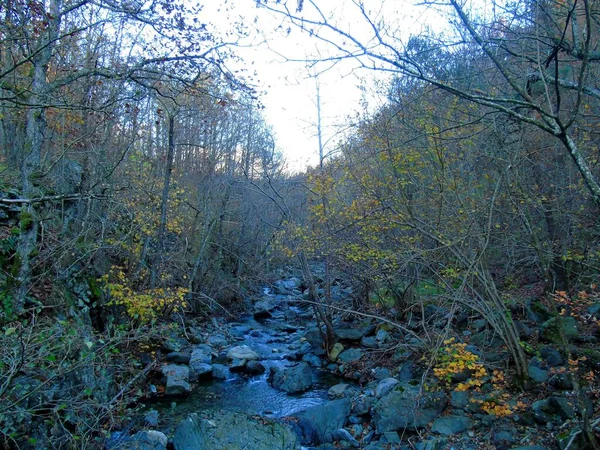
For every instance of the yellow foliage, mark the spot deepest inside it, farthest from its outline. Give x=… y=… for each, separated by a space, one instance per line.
x=143 y=306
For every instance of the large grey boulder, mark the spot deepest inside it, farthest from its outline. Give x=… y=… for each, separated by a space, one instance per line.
x=232 y=431
x=319 y=424
x=294 y=379
x=200 y=362
x=350 y=355
x=349 y=334
x=242 y=352
x=178 y=379
x=262 y=308
x=407 y=407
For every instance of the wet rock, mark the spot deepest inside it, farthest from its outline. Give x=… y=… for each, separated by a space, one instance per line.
x=449 y=425
x=369 y=342
x=174 y=344
x=242 y=352
x=459 y=399
x=233 y=431
x=312 y=360
x=383 y=336
x=177 y=379
x=381 y=373
x=178 y=357
x=314 y=337
x=149 y=440
x=344 y=435
x=385 y=386
x=392 y=437
x=200 y=362
x=254 y=368
x=538 y=375
x=220 y=372
x=294 y=379
x=318 y=424
x=217 y=340
x=406 y=407
x=349 y=334
x=362 y=405
x=350 y=355
x=238 y=365
x=551 y=357
x=338 y=391
x=262 y=309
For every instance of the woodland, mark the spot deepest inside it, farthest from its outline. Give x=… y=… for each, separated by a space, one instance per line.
x=141 y=188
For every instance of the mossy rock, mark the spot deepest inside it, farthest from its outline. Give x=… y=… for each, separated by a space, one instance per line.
x=552 y=329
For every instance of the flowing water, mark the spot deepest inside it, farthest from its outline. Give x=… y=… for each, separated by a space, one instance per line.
x=274 y=341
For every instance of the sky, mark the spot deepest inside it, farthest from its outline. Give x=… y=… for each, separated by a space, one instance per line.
x=288 y=89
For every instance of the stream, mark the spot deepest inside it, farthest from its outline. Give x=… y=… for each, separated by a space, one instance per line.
x=276 y=340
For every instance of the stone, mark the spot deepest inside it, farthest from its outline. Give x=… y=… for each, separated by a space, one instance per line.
x=238 y=365
x=335 y=351
x=178 y=357
x=254 y=368
x=262 y=309
x=200 y=362
x=552 y=329
x=344 y=435
x=349 y=334
x=242 y=352
x=561 y=381
x=200 y=371
x=217 y=340
x=392 y=437
x=538 y=375
x=146 y=440
x=385 y=386
x=312 y=360
x=406 y=407
x=383 y=336
x=551 y=356
x=459 y=399
x=295 y=379
x=232 y=431
x=449 y=425
x=350 y=355
x=178 y=377
x=314 y=337
x=174 y=344
x=151 y=418
x=381 y=373
x=362 y=405
x=368 y=342
x=220 y=372
x=317 y=424
x=338 y=391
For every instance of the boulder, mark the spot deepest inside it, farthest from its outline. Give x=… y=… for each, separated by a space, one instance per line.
x=349 y=334
x=538 y=375
x=350 y=355
x=294 y=379
x=232 y=431
x=262 y=308
x=407 y=407
x=335 y=351
x=318 y=424
x=338 y=391
x=449 y=425
x=177 y=379
x=254 y=368
x=178 y=357
x=200 y=362
x=242 y=352
x=385 y=386
x=174 y=344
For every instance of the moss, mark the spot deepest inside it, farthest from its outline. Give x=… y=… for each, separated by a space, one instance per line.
x=94 y=288
x=26 y=222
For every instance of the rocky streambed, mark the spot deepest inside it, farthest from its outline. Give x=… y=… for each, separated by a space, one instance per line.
x=264 y=382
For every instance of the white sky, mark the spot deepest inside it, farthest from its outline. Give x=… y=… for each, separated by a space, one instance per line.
x=289 y=92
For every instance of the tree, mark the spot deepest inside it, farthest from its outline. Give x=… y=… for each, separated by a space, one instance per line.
x=537 y=60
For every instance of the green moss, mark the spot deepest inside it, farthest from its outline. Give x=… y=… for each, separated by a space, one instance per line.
x=26 y=222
